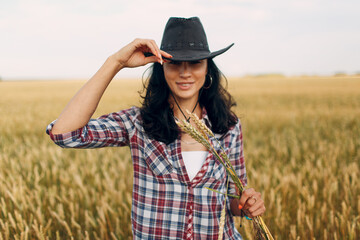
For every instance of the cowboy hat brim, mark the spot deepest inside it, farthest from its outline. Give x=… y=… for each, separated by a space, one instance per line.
x=194 y=55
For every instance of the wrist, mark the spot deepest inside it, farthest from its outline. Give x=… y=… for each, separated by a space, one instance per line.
x=115 y=62
x=234 y=206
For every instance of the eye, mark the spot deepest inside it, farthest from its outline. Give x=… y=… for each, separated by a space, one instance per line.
x=174 y=62
x=195 y=62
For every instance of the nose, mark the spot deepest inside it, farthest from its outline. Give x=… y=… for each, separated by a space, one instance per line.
x=185 y=70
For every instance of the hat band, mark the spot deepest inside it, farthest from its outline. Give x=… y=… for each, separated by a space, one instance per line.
x=185 y=46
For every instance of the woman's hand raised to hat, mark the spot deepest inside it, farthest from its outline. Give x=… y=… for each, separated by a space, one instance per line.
x=133 y=54
x=83 y=105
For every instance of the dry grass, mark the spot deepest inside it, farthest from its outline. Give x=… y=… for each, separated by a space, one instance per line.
x=302 y=147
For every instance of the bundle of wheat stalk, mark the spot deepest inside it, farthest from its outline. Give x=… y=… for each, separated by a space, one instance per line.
x=202 y=134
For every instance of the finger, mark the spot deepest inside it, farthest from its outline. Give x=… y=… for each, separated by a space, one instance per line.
x=259 y=204
x=246 y=194
x=146 y=43
x=253 y=200
x=255 y=205
x=259 y=211
x=158 y=54
x=165 y=54
x=154 y=52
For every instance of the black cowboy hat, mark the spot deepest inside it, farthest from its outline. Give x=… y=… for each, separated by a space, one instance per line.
x=185 y=40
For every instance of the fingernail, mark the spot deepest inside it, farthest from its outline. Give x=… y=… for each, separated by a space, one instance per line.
x=161 y=62
x=240 y=206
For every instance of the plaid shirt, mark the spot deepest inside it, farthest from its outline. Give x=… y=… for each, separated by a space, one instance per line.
x=165 y=204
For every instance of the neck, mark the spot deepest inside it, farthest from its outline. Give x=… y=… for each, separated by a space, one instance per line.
x=184 y=105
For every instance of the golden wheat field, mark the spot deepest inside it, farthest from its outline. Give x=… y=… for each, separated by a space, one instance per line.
x=302 y=151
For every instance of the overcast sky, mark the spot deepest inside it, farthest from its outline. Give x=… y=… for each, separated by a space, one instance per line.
x=43 y=39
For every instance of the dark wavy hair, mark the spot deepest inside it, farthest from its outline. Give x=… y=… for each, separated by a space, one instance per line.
x=157 y=114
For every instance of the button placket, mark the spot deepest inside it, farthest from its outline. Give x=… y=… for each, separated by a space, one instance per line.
x=190 y=220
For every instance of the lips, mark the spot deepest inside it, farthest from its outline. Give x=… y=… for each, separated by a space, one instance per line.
x=184 y=85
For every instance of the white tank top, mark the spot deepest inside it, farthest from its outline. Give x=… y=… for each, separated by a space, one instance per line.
x=193 y=161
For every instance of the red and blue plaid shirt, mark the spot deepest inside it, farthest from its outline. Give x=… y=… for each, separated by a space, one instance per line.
x=165 y=204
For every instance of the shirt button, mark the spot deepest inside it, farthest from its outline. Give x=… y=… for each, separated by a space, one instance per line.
x=191 y=207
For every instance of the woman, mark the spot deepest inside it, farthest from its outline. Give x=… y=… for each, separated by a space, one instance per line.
x=171 y=170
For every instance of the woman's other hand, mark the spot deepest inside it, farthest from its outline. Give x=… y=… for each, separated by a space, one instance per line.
x=133 y=54
x=251 y=203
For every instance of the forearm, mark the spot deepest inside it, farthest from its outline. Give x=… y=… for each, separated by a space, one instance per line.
x=83 y=105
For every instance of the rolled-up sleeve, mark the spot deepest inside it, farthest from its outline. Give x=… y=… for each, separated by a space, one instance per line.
x=236 y=157
x=111 y=130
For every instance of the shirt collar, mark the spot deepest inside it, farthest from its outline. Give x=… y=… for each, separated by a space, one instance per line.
x=205 y=117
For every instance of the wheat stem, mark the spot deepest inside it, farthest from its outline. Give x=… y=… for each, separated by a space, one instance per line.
x=202 y=137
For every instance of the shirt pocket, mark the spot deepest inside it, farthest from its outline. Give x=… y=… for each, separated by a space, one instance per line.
x=217 y=170
x=156 y=159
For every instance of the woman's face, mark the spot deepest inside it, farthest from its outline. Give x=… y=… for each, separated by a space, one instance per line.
x=185 y=79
